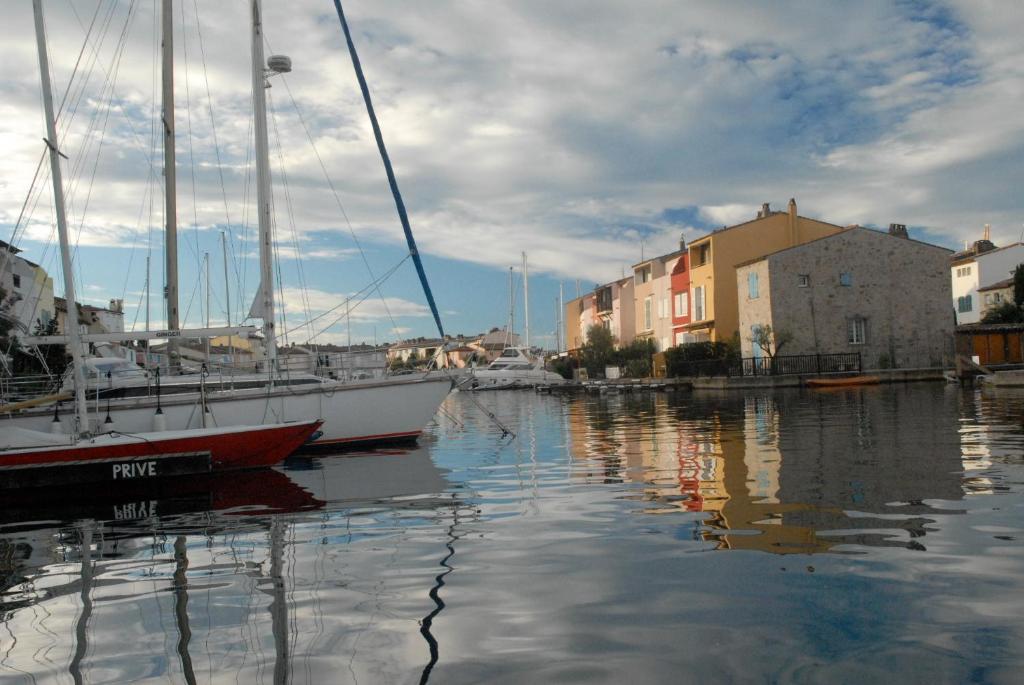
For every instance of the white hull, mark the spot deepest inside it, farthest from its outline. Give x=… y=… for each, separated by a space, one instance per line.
x=506 y=379
x=354 y=412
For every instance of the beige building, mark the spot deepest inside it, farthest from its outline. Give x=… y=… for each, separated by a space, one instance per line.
x=652 y=295
x=880 y=294
x=714 y=306
x=615 y=309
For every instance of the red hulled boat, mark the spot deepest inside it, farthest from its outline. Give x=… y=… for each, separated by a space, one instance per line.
x=32 y=458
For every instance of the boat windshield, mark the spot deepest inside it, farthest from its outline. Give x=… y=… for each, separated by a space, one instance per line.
x=121 y=369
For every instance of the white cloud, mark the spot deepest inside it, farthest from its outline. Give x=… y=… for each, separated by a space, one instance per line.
x=552 y=128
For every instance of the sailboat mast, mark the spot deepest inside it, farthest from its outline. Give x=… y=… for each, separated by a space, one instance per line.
x=71 y=322
x=265 y=297
x=511 y=309
x=526 y=303
x=170 y=184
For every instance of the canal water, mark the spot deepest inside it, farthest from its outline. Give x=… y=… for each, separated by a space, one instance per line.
x=856 y=535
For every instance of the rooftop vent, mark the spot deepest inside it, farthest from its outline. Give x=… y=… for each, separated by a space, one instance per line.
x=898 y=230
x=765 y=210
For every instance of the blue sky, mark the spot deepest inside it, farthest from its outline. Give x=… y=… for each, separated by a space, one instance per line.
x=579 y=132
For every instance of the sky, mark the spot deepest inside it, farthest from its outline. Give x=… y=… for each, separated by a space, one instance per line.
x=586 y=134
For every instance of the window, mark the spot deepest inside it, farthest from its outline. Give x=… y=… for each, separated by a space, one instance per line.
x=997 y=298
x=857 y=331
x=752 y=285
x=803 y=280
x=701 y=254
x=963 y=304
x=698 y=303
x=846 y=279
x=665 y=312
x=682 y=303
x=17 y=280
x=648 y=314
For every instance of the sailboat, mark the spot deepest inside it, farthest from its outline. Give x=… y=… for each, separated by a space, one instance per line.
x=35 y=458
x=515 y=367
x=371 y=411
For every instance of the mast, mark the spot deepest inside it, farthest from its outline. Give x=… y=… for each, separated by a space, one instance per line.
x=227 y=294
x=206 y=264
x=511 y=310
x=526 y=304
x=265 y=297
x=170 y=186
x=561 y=317
x=71 y=322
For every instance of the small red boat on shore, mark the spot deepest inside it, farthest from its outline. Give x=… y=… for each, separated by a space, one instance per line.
x=32 y=459
x=842 y=381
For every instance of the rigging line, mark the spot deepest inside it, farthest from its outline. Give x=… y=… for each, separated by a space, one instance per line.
x=116 y=66
x=291 y=212
x=96 y=54
x=196 y=251
x=390 y=272
x=392 y=181
x=213 y=121
x=337 y=199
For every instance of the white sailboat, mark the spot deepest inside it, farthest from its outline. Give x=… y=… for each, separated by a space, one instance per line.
x=515 y=367
x=353 y=412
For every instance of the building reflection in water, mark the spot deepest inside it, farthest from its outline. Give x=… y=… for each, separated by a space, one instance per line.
x=788 y=472
x=249 y=578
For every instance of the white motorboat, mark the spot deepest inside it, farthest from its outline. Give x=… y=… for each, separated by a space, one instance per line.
x=514 y=368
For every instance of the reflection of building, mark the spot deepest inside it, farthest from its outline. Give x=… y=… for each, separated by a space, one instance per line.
x=781 y=473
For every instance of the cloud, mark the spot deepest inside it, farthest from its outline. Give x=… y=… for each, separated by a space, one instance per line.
x=566 y=132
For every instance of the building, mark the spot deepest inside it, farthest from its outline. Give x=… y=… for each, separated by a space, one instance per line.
x=680 y=280
x=980 y=266
x=880 y=294
x=652 y=287
x=995 y=295
x=580 y=314
x=615 y=309
x=29 y=301
x=714 y=305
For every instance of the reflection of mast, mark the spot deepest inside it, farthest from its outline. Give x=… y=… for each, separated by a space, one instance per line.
x=278 y=605
x=82 y=624
x=181 y=608
x=435 y=595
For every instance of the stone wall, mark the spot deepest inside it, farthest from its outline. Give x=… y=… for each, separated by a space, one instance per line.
x=899 y=287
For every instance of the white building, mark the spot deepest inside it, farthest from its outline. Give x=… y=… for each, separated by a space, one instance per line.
x=980 y=266
x=29 y=291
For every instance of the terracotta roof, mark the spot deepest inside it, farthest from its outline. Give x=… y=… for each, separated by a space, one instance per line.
x=998 y=285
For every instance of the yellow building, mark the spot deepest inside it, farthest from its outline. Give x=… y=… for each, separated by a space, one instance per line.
x=714 y=305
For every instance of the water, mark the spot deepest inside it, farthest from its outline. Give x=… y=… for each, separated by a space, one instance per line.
x=859 y=535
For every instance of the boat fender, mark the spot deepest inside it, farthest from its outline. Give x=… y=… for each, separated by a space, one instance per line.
x=159 y=422
x=315 y=436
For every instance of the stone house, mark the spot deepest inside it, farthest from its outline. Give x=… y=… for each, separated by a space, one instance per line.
x=992 y=296
x=880 y=294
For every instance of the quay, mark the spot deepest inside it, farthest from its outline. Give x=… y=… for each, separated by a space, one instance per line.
x=698 y=383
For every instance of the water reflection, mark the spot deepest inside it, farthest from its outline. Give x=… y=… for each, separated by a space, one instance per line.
x=805 y=536
x=791 y=471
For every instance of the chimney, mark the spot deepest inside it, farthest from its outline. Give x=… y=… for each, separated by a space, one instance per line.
x=682 y=242
x=766 y=210
x=898 y=230
x=988 y=231
x=792 y=222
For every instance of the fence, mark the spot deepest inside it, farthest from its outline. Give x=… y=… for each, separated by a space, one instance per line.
x=803 y=364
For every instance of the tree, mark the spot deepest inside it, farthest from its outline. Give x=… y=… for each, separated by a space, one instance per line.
x=770 y=341
x=1007 y=312
x=599 y=349
x=1018 y=286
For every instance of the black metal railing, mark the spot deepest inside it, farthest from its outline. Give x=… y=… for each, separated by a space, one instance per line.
x=799 y=364
x=802 y=364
